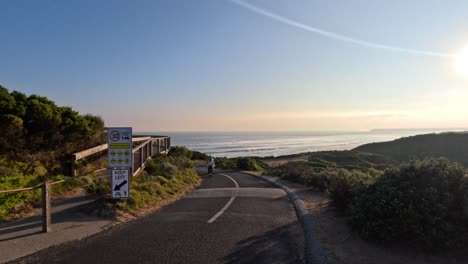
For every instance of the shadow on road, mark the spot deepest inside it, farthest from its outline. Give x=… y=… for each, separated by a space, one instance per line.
x=66 y=210
x=274 y=247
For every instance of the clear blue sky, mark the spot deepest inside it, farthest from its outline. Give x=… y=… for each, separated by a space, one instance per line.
x=215 y=65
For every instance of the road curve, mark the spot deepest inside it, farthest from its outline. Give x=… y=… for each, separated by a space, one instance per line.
x=218 y=222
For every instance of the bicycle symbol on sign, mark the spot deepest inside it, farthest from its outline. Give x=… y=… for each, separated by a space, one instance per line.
x=115 y=136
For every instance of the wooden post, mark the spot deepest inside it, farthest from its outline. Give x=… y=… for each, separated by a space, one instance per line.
x=46 y=226
x=148 y=149
x=141 y=157
x=151 y=149
x=73 y=166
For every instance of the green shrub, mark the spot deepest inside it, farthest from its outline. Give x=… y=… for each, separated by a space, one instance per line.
x=100 y=187
x=196 y=155
x=168 y=169
x=344 y=184
x=226 y=163
x=248 y=164
x=163 y=177
x=149 y=190
x=318 y=180
x=152 y=167
x=69 y=184
x=165 y=166
x=180 y=152
x=12 y=177
x=420 y=202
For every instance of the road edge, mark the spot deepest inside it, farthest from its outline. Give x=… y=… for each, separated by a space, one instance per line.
x=314 y=252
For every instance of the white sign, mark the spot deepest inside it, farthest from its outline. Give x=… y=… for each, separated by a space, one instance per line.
x=120 y=184
x=120 y=147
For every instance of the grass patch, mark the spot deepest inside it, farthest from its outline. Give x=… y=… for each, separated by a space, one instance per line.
x=164 y=178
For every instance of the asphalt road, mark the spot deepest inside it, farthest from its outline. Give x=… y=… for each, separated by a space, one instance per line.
x=230 y=218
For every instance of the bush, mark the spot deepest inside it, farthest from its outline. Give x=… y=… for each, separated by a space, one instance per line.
x=226 y=163
x=196 y=155
x=247 y=164
x=301 y=172
x=100 y=187
x=180 y=152
x=164 y=166
x=420 y=202
x=344 y=184
x=167 y=169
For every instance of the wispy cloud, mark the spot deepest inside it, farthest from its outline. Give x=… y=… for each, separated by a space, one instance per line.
x=337 y=36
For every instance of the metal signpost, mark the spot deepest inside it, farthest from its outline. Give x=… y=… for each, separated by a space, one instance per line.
x=120 y=159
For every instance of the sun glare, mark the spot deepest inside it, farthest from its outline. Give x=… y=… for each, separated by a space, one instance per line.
x=462 y=62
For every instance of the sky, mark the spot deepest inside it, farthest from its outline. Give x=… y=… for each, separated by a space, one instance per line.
x=222 y=65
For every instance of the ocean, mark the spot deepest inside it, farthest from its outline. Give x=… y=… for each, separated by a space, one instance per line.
x=262 y=144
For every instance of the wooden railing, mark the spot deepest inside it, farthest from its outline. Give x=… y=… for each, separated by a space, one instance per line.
x=45 y=201
x=144 y=148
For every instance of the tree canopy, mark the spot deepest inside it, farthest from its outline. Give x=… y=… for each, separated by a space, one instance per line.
x=34 y=129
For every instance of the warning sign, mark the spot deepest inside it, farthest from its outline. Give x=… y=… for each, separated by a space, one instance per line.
x=119 y=147
x=120 y=184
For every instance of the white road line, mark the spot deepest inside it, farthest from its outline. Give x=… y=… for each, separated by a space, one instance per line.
x=237 y=185
x=218 y=214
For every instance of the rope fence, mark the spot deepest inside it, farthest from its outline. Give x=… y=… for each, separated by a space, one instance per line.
x=45 y=200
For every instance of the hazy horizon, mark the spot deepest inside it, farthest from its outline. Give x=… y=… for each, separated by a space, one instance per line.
x=235 y=65
x=436 y=130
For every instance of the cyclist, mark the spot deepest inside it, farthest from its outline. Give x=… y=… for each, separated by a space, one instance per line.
x=211 y=164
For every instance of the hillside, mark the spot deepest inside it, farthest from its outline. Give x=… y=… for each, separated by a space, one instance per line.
x=452 y=145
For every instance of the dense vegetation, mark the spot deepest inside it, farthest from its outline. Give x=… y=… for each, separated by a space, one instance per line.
x=15 y=175
x=241 y=163
x=41 y=134
x=418 y=203
x=38 y=138
x=164 y=177
x=340 y=182
x=453 y=146
x=349 y=160
x=422 y=202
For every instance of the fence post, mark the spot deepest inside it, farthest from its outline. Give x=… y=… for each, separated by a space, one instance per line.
x=145 y=150
x=46 y=226
x=73 y=166
x=142 y=157
x=148 y=149
x=151 y=148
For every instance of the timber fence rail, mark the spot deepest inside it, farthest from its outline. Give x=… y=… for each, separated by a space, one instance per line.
x=144 y=148
x=148 y=146
x=45 y=201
